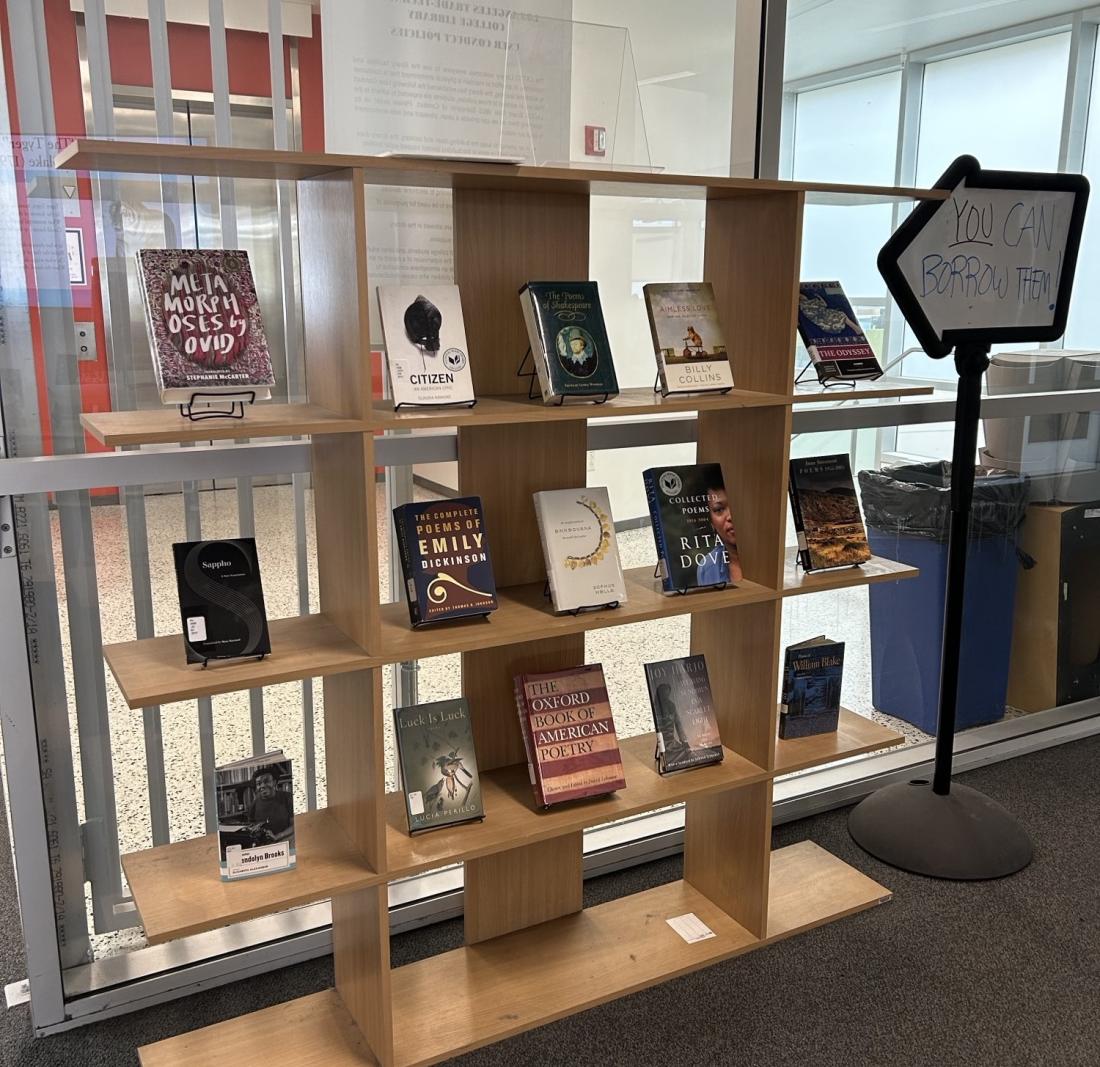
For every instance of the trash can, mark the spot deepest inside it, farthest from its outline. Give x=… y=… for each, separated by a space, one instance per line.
x=908 y=512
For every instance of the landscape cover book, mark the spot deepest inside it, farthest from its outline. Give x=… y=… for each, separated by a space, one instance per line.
x=569 y=734
x=426 y=353
x=813 y=672
x=692 y=527
x=687 y=337
x=568 y=339
x=221 y=599
x=255 y=816
x=435 y=750
x=205 y=329
x=580 y=548
x=683 y=713
x=826 y=513
x=833 y=337
x=445 y=559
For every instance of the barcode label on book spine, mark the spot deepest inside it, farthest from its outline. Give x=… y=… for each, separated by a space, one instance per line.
x=416 y=802
x=196 y=628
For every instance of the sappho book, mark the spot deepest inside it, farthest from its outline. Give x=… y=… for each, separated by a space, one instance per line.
x=826 y=513
x=812 y=674
x=834 y=339
x=255 y=816
x=687 y=338
x=683 y=712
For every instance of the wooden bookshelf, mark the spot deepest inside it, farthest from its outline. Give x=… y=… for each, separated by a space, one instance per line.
x=855 y=735
x=877 y=569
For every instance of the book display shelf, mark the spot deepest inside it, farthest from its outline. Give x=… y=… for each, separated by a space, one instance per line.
x=532 y=953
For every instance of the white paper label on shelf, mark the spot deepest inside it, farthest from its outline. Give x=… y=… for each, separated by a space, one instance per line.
x=416 y=802
x=196 y=628
x=1092 y=513
x=690 y=927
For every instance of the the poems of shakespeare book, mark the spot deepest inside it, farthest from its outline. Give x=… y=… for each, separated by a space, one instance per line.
x=687 y=338
x=580 y=549
x=255 y=816
x=221 y=599
x=426 y=352
x=445 y=559
x=683 y=713
x=826 y=513
x=812 y=674
x=692 y=526
x=205 y=328
x=568 y=340
x=439 y=779
x=833 y=337
x=569 y=734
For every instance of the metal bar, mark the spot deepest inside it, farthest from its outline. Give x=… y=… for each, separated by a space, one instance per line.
x=1082 y=60
x=773 y=127
x=309 y=744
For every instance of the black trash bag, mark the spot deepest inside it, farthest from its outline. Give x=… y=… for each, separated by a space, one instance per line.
x=915 y=500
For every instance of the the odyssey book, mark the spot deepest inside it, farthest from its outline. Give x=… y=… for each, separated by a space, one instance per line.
x=834 y=339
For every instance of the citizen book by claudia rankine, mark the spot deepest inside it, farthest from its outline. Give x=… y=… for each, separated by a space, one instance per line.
x=834 y=339
x=445 y=559
x=812 y=674
x=687 y=338
x=255 y=816
x=683 y=712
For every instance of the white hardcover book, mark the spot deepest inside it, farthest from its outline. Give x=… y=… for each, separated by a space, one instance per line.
x=426 y=355
x=580 y=549
x=687 y=338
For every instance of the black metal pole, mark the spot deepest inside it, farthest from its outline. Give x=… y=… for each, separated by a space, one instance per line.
x=971 y=361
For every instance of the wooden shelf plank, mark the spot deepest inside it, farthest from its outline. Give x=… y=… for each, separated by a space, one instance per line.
x=877 y=569
x=165 y=425
x=855 y=735
x=884 y=389
x=178 y=889
x=511 y=818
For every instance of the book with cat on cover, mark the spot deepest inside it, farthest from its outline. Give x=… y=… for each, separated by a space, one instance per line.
x=692 y=527
x=435 y=751
x=445 y=559
x=569 y=734
x=205 y=329
x=580 y=549
x=826 y=513
x=812 y=675
x=255 y=816
x=426 y=354
x=834 y=339
x=568 y=339
x=683 y=713
x=221 y=599
x=687 y=338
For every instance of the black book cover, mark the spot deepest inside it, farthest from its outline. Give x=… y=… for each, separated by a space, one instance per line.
x=255 y=816
x=826 y=513
x=221 y=599
x=683 y=713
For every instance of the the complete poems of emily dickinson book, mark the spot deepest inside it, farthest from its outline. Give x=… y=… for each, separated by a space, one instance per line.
x=826 y=513
x=812 y=674
x=683 y=712
x=445 y=559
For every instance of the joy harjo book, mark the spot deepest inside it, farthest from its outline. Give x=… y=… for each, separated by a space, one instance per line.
x=445 y=559
x=812 y=674
x=687 y=337
x=683 y=713
x=205 y=328
x=426 y=353
x=569 y=733
x=255 y=816
x=569 y=343
x=833 y=337
x=692 y=527
x=435 y=750
x=826 y=513
x=580 y=549
x=221 y=599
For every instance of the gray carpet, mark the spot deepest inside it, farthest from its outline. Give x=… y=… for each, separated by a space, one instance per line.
x=1004 y=973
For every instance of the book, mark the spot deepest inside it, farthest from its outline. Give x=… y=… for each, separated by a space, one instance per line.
x=445 y=559
x=221 y=599
x=206 y=333
x=255 y=816
x=435 y=752
x=834 y=339
x=812 y=674
x=426 y=355
x=687 y=338
x=569 y=734
x=569 y=343
x=692 y=527
x=683 y=713
x=580 y=548
x=826 y=513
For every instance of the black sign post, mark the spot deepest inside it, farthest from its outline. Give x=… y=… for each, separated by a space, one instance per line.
x=992 y=264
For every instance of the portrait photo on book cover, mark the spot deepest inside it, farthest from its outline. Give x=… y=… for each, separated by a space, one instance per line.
x=255 y=805
x=725 y=566
x=577 y=351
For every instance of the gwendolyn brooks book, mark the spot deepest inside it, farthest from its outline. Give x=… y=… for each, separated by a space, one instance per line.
x=435 y=751
x=221 y=599
x=812 y=674
x=425 y=337
x=683 y=713
x=569 y=343
x=687 y=338
x=445 y=559
x=205 y=328
x=255 y=816
x=580 y=549
x=834 y=339
x=826 y=513
x=692 y=527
